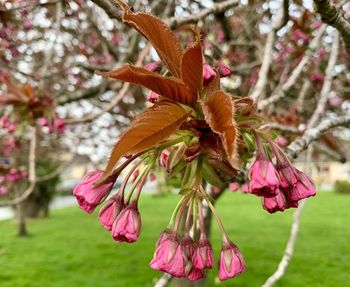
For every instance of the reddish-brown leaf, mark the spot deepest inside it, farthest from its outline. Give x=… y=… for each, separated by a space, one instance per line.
x=158 y=34
x=168 y=87
x=219 y=111
x=150 y=128
x=192 y=66
x=245 y=106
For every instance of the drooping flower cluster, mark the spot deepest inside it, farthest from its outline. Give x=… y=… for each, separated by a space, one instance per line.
x=280 y=185
x=199 y=131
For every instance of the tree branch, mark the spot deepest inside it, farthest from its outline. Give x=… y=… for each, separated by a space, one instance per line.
x=332 y=15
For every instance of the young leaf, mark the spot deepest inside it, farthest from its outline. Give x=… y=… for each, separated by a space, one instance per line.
x=158 y=34
x=219 y=111
x=168 y=87
x=192 y=66
x=151 y=127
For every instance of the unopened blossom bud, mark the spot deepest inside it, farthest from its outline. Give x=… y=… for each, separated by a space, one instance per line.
x=43 y=122
x=231 y=262
x=127 y=225
x=288 y=175
x=224 y=71
x=154 y=66
x=196 y=274
x=87 y=195
x=263 y=178
x=59 y=125
x=203 y=254
x=110 y=211
x=164 y=158
x=233 y=186
x=303 y=188
x=152 y=97
x=3 y=190
x=208 y=73
x=281 y=141
x=169 y=255
x=273 y=204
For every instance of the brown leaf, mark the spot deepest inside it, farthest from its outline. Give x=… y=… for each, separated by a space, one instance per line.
x=168 y=87
x=245 y=106
x=192 y=66
x=158 y=34
x=219 y=111
x=150 y=128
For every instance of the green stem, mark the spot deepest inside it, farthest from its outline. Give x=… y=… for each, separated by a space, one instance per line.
x=173 y=216
x=136 y=182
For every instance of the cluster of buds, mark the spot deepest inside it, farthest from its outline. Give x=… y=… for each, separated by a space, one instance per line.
x=120 y=214
x=198 y=131
x=13 y=176
x=55 y=125
x=280 y=184
x=8 y=124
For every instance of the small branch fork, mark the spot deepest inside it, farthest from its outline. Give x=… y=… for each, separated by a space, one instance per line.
x=332 y=15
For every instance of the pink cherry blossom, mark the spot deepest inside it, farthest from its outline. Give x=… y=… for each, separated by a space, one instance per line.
x=231 y=262
x=110 y=211
x=224 y=71
x=208 y=73
x=303 y=188
x=195 y=274
x=233 y=186
x=203 y=254
x=273 y=204
x=88 y=196
x=263 y=178
x=127 y=225
x=152 y=97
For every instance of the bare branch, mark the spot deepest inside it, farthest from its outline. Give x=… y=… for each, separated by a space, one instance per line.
x=332 y=15
x=327 y=84
x=215 y=9
x=283 y=17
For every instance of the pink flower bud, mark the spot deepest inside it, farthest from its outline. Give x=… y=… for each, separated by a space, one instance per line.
x=231 y=262
x=263 y=178
x=43 y=122
x=196 y=274
x=110 y=211
x=224 y=71
x=154 y=66
x=152 y=177
x=4 y=190
x=208 y=73
x=152 y=97
x=233 y=186
x=169 y=255
x=303 y=188
x=127 y=225
x=281 y=141
x=245 y=188
x=59 y=125
x=288 y=176
x=88 y=196
x=203 y=254
x=273 y=204
x=13 y=175
x=335 y=101
x=164 y=158
x=27 y=25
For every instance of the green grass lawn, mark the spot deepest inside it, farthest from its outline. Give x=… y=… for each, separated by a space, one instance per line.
x=71 y=249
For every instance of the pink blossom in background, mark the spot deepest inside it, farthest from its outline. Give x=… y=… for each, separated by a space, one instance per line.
x=215 y=189
x=281 y=141
x=233 y=186
x=4 y=190
x=27 y=25
x=88 y=196
x=13 y=175
x=335 y=101
x=224 y=71
x=154 y=66
x=152 y=177
x=59 y=125
x=43 y=122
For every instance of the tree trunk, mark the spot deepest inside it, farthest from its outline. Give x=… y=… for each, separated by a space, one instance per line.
x=21 y=218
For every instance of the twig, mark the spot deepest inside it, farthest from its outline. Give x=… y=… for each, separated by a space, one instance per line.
x=31 y=171
x=215 y=9
x=327 y=84
x=283 y=17
x=164 y=280
x=314 y=133
x=115 y=101
x=330 y=14
x=280 y=127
